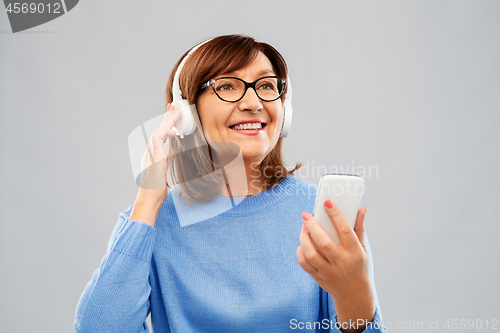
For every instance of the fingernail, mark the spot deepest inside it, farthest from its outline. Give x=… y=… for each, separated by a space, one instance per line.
x=365 y=210
x=328 y=204
x=306 y=216
x=304 y=228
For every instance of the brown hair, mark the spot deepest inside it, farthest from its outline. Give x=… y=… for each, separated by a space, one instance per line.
x=221 y=54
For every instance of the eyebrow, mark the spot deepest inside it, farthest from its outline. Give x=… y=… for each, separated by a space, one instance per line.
x=259 y=74
x=265 y=71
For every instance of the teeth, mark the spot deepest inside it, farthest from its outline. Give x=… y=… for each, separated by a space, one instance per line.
x=248 y=126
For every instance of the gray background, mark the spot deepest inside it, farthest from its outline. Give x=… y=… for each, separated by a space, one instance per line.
x=408 y=88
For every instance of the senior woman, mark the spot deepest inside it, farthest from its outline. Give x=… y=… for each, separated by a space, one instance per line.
x=264 y=264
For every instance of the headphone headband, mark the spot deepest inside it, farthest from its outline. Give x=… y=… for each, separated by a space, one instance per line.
x=176 y=90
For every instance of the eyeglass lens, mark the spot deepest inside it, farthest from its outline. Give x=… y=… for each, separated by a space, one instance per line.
x=267 y=88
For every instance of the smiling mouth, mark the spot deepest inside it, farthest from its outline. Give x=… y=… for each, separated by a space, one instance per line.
x=248 y=126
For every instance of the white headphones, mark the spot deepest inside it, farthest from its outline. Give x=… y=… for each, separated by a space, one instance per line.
x=186 y=125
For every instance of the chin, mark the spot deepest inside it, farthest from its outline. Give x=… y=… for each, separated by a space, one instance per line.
x=252 y=155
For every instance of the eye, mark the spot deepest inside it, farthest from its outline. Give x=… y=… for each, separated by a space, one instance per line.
x=224 y=86
x=266 y=85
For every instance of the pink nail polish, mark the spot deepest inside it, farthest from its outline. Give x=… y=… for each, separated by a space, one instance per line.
x=304 y=228
x=328 y=204
x=306 y=216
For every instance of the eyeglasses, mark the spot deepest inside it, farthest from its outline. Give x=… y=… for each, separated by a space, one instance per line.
x=232 y=89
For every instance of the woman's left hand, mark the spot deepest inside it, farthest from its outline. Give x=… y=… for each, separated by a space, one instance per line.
x=341 y=270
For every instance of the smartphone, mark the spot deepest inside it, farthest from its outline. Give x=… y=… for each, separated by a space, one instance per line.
x=343 y=190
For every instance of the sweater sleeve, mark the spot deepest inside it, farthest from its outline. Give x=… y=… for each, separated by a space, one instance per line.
x=377 y=325
x=117 y=298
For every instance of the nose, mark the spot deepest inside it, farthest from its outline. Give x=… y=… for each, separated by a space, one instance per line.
x=250 y=101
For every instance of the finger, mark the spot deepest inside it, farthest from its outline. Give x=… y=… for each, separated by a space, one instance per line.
x=304 y=263
x=359 y=227
x=171 y=118
x=346 y=234
x=319 y=238
x=159 y=137
x=310 y=251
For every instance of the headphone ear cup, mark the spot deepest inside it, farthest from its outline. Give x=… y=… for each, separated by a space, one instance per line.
x=287 y=118
x=186 y=125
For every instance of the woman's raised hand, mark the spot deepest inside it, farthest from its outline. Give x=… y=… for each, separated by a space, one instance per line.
x=153 y=163
x=153 y=183
x=341 y=270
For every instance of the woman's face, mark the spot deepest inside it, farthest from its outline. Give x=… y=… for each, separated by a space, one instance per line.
x=219 y=118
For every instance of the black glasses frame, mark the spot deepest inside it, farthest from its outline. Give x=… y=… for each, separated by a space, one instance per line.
x=211 y=83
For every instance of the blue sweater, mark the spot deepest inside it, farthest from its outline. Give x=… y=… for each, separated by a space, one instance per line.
x=234 y=270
